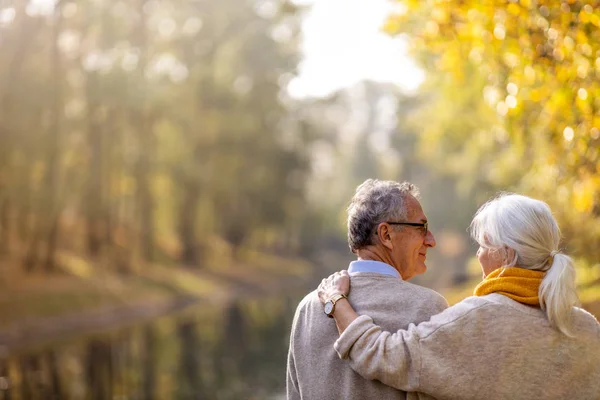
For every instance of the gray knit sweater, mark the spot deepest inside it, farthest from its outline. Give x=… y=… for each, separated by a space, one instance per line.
x=488 y=347
x=314 y=370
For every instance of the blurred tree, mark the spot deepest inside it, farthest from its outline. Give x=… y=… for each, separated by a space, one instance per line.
x=51 y=183
x=142 y=121
x=513 y=102
x=141 y=130
x=231 y=118
x=14 y=47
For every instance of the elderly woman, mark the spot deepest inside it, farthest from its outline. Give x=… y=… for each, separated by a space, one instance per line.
x=519 y=337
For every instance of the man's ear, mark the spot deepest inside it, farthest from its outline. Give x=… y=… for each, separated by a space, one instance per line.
x=383 y=234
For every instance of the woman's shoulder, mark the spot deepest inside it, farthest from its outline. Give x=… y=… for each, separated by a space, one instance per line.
x=458 y=316
x=469 y=305
x=585 y=319
x=581 y=313
x=485 y=312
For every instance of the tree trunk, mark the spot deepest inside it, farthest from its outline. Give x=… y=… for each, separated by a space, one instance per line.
x=5 y=234
x=149 y=367
x=144 y=125
x=55 y=388
x=22 y=39
x=93 y=197
x=144 y=199
x=109 y=176
x=51 y=179
x=187 y=223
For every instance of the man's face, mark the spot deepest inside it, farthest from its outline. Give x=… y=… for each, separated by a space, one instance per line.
x=411 y=242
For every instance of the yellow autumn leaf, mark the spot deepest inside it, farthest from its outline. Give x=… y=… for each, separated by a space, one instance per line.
x=513 y=9
x=391 y=25
x=583 y=196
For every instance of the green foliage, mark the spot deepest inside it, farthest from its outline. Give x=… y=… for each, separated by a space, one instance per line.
x=145 y=129
x=513 y=101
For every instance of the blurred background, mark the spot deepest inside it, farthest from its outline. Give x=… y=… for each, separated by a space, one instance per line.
x=174 y=173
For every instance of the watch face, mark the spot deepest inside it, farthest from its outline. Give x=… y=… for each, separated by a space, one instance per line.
x=328 y=307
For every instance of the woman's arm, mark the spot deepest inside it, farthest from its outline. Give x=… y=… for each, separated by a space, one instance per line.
x=366 y=345
x=338 y=283
x=343 y=314
x=432 y=357
x=392 y=358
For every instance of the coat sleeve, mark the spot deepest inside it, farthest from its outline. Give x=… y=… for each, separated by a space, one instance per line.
x=293 y=392
x=422 y=357
x=292 y=386
x=393 y=359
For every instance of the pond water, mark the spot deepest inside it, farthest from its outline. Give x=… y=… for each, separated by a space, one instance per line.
x=237 y=351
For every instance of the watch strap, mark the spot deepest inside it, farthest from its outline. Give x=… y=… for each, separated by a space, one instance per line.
x=334 y=300
x=337 y=297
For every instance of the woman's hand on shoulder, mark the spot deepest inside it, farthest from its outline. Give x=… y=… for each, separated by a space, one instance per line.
x=338 y=283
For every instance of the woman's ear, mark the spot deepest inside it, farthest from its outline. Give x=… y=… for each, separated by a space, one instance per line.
x=510 y=255
x=384 y=235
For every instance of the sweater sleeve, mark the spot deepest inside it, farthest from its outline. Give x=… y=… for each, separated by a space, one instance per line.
x=393 y=359
x=292 y=386
x=441 y=303
x=422 y=357
x=293 y=392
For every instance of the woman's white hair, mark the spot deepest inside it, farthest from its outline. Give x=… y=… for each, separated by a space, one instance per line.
x=527 y=226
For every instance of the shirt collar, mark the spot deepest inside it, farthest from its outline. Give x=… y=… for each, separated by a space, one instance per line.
x=372 y=266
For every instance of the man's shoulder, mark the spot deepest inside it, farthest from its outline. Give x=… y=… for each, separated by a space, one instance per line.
x=419 y=295
x=372 y=281
x=308 y=305
x=395 y=303
x=309 y=299
x=424 y=292
x=374 y=292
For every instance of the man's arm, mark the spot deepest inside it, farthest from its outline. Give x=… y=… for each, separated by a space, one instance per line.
x=293 y=391
x=292 y=386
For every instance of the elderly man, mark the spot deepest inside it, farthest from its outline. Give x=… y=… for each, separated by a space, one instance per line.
x=388 y=232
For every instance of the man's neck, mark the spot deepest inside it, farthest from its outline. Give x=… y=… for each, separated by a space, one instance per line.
x=373 y=253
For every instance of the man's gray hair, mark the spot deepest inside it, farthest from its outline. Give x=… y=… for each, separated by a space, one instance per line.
x=375 y=202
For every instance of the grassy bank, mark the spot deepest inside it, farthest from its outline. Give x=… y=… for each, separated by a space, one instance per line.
x=81 y=287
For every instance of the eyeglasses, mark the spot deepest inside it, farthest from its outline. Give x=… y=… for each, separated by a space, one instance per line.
x=424 y=225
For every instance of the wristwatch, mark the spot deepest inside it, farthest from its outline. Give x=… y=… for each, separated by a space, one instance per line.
x=329 y=307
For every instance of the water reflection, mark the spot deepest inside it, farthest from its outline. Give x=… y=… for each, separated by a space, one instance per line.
x=233 y=352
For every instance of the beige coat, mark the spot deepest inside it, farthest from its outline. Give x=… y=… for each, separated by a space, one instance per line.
x=488 y=347
x=316 y=373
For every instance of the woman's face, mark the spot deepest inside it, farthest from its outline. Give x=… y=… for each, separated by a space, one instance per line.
x=489 y=259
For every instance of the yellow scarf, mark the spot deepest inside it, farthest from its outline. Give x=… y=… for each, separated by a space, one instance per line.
x=519 y=284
